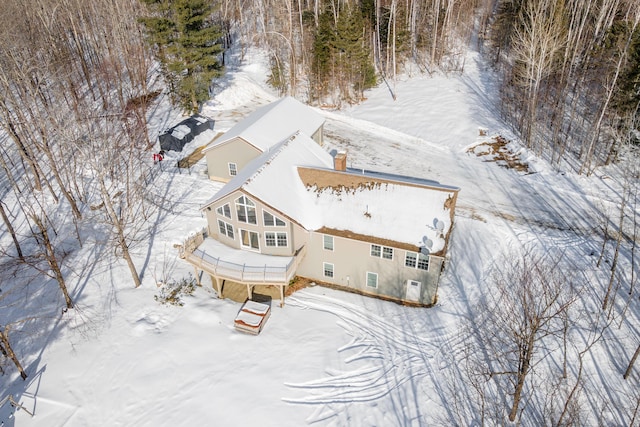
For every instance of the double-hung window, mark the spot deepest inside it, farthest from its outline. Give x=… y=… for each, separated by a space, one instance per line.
x=275 y=239
x=381 y=252
x=417 y=260
x=233 y=169
x=327 y=242
x=372 y=280
x=376 y=250
x=327 y=269
x=226 y=229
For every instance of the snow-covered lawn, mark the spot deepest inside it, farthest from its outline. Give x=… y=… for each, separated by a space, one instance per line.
x=328 y=357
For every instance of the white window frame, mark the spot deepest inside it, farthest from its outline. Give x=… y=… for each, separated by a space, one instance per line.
x=275 y=220
x=228 y=229
x=243 y=206
x=418 y=260
x=233 y=169
x=375 y=250
x=330 y=269
x=325 y=246
x=421 y=260
x=277 y=239
x=379 y=251
x=224 y=210
x=249 y=233
x=374 y=275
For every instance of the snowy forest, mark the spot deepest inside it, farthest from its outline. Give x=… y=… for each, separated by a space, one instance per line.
x=79 y=78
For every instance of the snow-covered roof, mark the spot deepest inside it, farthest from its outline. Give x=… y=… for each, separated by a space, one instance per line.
x=392 y=208
x=270 y=124
x=273 y=176
x=296 y=178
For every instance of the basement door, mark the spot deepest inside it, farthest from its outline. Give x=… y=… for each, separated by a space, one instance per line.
x=413 y=290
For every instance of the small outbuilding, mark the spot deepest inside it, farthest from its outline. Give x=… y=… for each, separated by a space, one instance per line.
x=184 y=132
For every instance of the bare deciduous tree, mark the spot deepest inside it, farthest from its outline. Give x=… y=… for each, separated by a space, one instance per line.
x=530 y=295
x=7 y=350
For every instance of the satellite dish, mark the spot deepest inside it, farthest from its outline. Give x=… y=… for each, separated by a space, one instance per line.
x=428 y=244
x=439 y=225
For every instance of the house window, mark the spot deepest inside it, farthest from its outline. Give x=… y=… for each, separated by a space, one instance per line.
x=376 y=250
x=233 y=169
x=372 y=280
x=423 y=262
x=275 y=239
x=270 y=239
x=270 y=220
x=417 y=260
x=224 y=210
x=327 y=242
x=410 y=260
x=381 y=252
x=246 y=210
x=249 y=239
x=327 y=269
x=226 y=229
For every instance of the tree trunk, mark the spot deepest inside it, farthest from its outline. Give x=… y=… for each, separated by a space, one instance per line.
x=50 y=255
x=56 y=174
x=522 y=375
x=614 y=263
x=120 y=231
x=7 y=222
x=7 y=350
x=631 y=363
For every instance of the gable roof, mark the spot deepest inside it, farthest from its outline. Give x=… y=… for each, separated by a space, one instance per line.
x=270 y=124
x=296 y=178
x=273 y=177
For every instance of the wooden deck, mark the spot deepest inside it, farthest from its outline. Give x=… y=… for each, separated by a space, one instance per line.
x=240 y=282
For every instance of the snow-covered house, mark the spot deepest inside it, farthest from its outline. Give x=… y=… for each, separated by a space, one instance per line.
x=296 y=210
x=257 y=133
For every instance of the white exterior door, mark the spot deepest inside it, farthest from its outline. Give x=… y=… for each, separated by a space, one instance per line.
x=413 y=290
x=249 y=240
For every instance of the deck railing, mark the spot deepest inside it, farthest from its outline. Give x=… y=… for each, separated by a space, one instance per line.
x=238 y=272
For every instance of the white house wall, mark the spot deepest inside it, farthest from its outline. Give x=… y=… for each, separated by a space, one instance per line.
x=296 y=236
x=236 y=151
x=318 y=136
x=352 y=260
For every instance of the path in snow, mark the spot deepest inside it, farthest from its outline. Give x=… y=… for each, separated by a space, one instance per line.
x=389 y=362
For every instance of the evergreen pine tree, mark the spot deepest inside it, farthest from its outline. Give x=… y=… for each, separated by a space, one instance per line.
x=322 y=54
x=188 y=43
x=354 y=56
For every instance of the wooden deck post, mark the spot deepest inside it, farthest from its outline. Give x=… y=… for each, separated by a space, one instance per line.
x=197 y=276
x=281 y=296
x=216 y=285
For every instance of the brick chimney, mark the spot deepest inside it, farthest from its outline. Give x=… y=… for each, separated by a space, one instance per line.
x=340 y=161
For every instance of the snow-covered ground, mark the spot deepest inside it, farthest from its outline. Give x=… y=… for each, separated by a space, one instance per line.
x=327 y=357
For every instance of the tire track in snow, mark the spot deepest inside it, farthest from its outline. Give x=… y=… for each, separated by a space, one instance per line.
x=393 y=358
